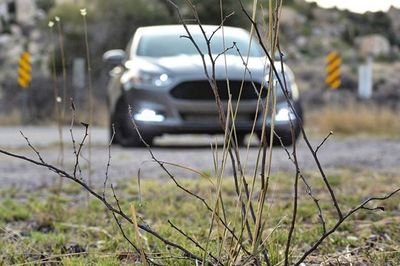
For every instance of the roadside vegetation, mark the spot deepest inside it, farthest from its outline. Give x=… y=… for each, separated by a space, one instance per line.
x=355 y=120
x=42 y=227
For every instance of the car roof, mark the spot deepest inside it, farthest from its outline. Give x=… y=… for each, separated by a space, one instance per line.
x=193 y=28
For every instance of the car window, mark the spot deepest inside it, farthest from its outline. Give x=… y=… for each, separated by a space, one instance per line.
x=167 y=44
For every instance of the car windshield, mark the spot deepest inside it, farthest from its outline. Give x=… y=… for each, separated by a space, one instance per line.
x=167 y=44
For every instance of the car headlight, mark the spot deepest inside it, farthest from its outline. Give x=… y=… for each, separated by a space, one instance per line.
x=277 y=86
x=285 y=114
x=148 y=115
x=140 y=78
x=294 y=91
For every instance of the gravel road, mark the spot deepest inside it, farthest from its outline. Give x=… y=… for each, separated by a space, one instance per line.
x=371 y=154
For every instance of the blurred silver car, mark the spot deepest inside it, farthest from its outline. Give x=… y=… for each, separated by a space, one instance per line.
x=161 y=75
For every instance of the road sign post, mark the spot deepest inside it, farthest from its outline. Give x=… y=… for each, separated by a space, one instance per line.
x=333 y=63
x=24 y=78
x=24 y=70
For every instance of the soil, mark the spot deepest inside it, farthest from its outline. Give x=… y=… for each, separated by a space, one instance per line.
x=366 y=153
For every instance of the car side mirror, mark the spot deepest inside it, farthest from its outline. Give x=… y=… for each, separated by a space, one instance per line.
x=114 y=57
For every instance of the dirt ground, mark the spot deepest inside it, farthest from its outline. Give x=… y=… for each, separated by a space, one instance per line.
x=366 y=153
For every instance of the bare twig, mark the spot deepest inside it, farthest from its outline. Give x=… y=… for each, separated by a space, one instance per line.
x=33 y=148
x=78 y=151
x=74 y=148
x=161 y=164
x=316 y=201
x=315 y=157
x=123 y=233
x=196 y=243
x=323 y=141
x=90 y=94
x=108 y=161
x=112 y=209
x=342 y=220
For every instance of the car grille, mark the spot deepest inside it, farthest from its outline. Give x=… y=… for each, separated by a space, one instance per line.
x=213 y=118
x=201 y=90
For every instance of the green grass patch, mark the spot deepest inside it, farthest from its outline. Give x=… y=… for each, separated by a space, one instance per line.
x=11 y=210
x=67 y=229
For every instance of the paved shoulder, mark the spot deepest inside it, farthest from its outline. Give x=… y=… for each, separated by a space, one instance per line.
x=371 y=154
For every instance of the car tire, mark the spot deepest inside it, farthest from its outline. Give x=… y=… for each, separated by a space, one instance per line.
x=286 y=137
x=299 y=109
x=283 y=138
x=125 y=132
x=240 y=139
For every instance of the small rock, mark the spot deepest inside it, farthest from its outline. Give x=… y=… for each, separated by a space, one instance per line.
x=73 y=248
x=373 y=238
x=44 y=227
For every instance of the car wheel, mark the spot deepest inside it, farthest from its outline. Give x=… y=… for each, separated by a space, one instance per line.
x=283 y=137
x=125 y=132
x=299 y=109
x=240 y=139
x=286 y=137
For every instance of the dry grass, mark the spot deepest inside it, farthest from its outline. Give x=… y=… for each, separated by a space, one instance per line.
x=355 y=119
x=100 y=117
x=12 y=118
x=40 y=226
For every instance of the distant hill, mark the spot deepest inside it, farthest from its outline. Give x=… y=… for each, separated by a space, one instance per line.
x=309 y=30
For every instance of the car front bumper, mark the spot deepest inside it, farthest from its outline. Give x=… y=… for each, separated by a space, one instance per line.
x=156 y=112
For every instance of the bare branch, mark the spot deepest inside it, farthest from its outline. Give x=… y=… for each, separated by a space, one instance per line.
x=197 y=244
x=342 y=220
x=290 y=104
x=33 y=148
x=108 y=161
x=74 y=148
x=78 y=151
x=161 y=164
x=119 y=212
x=316 y=201
x=323 y=142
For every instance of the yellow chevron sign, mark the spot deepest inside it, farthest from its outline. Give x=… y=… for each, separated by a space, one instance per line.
x=24 y=70
x=333 y=62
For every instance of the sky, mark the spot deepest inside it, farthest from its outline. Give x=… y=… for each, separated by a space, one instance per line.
x=359 y=6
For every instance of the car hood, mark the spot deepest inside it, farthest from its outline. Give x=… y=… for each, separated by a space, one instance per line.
x=194 y=65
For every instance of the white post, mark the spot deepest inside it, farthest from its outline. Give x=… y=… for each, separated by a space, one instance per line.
x=78 y=78
x=365 y=79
